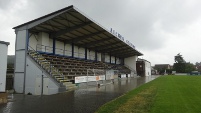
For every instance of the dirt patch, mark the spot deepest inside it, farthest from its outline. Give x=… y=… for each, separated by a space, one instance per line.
x=3 y=98
x=140 y=103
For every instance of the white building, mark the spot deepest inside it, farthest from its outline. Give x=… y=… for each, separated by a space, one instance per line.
x=143 y=67
x=3 y=66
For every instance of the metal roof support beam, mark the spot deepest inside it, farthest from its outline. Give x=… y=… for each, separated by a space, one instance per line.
x=98 y=41
x=105 y=46
x=64 y=31
x=88 y=45
x=109 y=49
x=118 y=49
x=125 y=55
x=130 y=53
x=76 y=40
x=122 y=50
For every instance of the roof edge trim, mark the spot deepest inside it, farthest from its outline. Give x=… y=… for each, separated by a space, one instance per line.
x=66 y=8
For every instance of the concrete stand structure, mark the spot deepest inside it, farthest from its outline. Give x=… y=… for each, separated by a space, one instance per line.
x=65 y=47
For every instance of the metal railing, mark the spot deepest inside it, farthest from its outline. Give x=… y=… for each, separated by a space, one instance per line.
x=135 y=72
x=46 y=65
x=63 y=52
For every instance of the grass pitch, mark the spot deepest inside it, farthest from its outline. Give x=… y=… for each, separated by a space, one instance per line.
x=166 y=94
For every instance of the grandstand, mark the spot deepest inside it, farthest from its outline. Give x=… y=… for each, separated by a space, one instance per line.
x=59 y=50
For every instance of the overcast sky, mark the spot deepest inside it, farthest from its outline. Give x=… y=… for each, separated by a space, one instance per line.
x=158 y=28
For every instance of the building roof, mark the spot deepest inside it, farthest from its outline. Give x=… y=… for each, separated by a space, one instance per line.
x=71 y=26
x=162 y=64
x=144 y=60
x=2 y=42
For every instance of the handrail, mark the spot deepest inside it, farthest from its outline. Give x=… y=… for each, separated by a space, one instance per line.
x=62 y=51
x=48 y=68
x=59 y=50
x=130 y=68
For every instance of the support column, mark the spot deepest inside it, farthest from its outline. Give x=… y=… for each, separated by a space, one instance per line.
x=85 y=54
x=122 y=61
x=110 y=59
x=115 y=60
x=20 y=60
x=54 y=46
x=26 y=51
x=72 y=50
x=96 y=56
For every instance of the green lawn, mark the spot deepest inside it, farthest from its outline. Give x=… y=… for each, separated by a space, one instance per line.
x=166 y=94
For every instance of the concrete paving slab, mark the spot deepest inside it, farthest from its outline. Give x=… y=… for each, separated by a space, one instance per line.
x=86 y=99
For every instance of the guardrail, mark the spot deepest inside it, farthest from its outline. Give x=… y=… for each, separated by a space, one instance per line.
x=49 y=49
x=46 y=65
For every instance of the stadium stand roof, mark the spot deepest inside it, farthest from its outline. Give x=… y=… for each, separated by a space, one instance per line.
x=71 y=26
x=2 y=42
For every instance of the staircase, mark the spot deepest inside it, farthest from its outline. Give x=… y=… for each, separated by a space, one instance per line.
x=52 y=70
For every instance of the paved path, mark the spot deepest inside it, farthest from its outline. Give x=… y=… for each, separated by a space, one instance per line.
x=83 y=100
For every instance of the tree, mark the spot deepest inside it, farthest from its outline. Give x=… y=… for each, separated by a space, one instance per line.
x=181 y=66
x=189 y=67
x=179 y=59
x=198 y=66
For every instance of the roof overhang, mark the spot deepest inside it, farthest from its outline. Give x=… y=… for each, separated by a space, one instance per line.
x=6 y=43
x=71 y=26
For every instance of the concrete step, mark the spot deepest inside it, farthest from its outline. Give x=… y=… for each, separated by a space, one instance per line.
x=56 y=74
x=69 y=88
x=65 y=80
x=66 y=83
x=69 y=85
x=40 y=58
x=44 y=63
x=58 y=79
x=43 y=60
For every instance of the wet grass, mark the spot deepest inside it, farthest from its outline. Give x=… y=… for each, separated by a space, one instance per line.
x=166 y=94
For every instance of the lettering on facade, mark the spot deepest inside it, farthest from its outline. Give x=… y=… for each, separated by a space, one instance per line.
x=121 y=38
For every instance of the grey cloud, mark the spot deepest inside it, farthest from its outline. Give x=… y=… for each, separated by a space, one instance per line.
x=4 y=4
x=148 y=24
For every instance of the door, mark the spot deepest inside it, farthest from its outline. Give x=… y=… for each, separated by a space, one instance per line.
x=46 y=86
x=38 y=86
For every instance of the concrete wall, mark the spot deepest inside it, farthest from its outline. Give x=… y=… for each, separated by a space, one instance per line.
x=81 y=52
x=130 y=62
x=112 y=59
x=3 y=67
x=118 y=61
x=20 y=55
x=34 y=80
x=33 y=40
x=59 y=48
x=42 y=42
x=98 y=56
x=76 y=51
x=147 y=68
x=43 y=39
x=107 y=58
x=50 y=48
x=68 y=49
